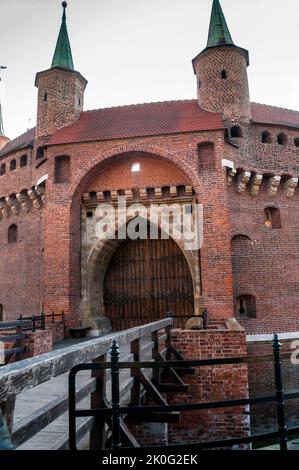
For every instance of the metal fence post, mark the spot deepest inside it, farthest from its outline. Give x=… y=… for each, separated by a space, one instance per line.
x=135 y=391
x=205 y=319
x=97 y=400
x=33 y=323
x=282 y=429
x=155 y=356
x=43 y=321
x=114 y=355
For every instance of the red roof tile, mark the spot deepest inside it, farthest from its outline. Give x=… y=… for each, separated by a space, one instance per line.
x=168 y=117
x=21 y=142
x=262 y=113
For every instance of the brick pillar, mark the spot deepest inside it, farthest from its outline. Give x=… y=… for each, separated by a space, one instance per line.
x=216 y=263
x=215 y=383
x=57 y=331
x=38 y=342
x=60 y=276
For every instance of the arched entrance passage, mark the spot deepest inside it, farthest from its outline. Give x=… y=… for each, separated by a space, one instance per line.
x=144 y=280
x=158 y=181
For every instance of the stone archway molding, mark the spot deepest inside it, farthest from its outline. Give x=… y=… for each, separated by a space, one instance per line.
x=93 y=276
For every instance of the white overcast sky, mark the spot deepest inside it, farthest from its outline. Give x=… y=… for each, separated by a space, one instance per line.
x=135 y=51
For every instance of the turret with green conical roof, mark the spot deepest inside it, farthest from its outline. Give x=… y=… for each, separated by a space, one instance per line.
x=221 y=71
x=218 y=32
x=60 y=88
x=63 y=53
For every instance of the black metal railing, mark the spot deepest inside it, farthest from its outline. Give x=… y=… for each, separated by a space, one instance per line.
x=179 y=321
x=115 y=411
x=39 y=322
x=12 y=337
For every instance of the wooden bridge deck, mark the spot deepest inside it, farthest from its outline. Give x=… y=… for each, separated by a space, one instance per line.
x=44 y=396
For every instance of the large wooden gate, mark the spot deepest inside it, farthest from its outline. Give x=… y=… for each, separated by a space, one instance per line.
x=145 y=279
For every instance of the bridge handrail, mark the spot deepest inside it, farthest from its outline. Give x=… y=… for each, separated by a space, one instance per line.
x=28 y=373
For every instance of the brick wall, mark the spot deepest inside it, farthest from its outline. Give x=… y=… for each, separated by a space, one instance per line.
x=267 y=265
x=153 y=173
x=57 y=331
x=211 y=384
x=228 y=96
x=21 y=266
x=266 y=269
x=60 y=99
x=38 y=342
x=62 y=291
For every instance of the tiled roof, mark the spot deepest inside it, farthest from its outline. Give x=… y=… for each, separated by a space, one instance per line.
x=20 y=142
x=265 y=114
x=168 y=117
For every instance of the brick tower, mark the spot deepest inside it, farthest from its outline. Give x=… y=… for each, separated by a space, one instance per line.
x=60 y=88
x=221 y=71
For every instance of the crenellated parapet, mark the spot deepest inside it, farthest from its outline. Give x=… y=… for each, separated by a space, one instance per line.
x=256 y=184
x=13 y=205
x=243 y=179
x=273 y=185
x=144 y=195
x=24 y=201
x=35 y=199
x=290 y=186
x=251 y=182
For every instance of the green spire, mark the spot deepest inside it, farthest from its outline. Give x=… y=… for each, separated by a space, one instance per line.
x=218 y=33
x=63 y=54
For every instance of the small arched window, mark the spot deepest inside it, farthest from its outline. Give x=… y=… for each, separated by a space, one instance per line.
x=272 y=218
x=236 y=131
x=40 y=152
x=282 y=139
x=23 y=161
x=296 y=142
x=13 y=165
x=12 y=235
x=1 y=312
x=206 y=157
x=223 y=74
x=45 y=97
x=2 y=169
x=150 y=193
x=62 y=169
x=266 y=137
x=246 y=306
